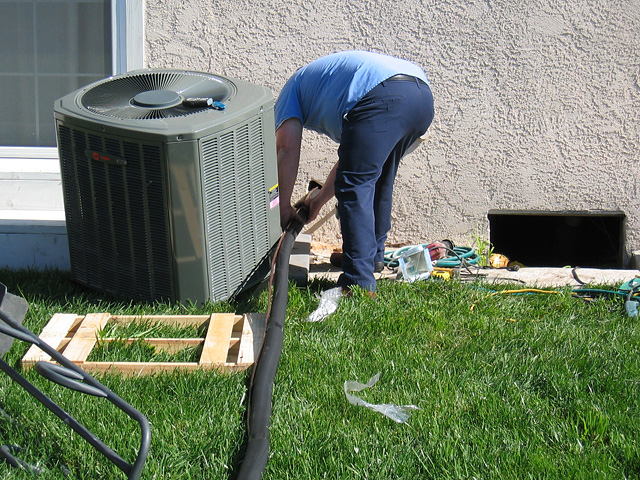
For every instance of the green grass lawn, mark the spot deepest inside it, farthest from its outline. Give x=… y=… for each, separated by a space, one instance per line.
x=509 y=386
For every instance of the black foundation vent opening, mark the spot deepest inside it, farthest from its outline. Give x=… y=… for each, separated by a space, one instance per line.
x=559 y=239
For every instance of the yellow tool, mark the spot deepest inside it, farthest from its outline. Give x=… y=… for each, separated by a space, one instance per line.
x=443 y=273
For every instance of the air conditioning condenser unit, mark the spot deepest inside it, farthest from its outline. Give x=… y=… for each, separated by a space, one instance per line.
x=169 y=181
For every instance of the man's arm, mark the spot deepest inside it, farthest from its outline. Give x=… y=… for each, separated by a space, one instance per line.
x=288 y=142
x=326 y=193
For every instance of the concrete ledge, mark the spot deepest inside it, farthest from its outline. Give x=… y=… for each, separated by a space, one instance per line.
x=33 y=239
x=32 y=222
x=527 y=277
x=299 y=259
x=556 y=277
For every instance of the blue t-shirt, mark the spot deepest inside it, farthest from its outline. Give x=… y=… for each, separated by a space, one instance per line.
x=321 y=93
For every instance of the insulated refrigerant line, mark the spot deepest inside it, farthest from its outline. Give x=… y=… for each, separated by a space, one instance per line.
x=266 y=364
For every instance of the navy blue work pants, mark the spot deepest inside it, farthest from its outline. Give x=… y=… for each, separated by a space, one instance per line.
x=375 y=135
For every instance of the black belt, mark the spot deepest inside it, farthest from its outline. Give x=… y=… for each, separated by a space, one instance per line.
x=404 y=78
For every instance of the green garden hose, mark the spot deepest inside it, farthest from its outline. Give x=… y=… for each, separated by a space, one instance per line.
x=461 y=257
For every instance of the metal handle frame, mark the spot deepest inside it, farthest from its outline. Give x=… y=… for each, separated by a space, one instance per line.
x=69 y=375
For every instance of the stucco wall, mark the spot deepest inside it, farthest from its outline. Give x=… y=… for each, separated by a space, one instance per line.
x=537 y=101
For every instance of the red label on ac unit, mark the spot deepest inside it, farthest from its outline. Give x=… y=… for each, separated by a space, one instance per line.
x=105 y=157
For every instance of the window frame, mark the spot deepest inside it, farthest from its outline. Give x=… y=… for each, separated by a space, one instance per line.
x=127 y=41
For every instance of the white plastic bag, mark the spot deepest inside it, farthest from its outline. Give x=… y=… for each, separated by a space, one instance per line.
x=397 y=413
x=328 y=304
x=415 y=263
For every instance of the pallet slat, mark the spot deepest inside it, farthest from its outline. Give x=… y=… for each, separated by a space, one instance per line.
x=86 y=336
x=252 y=337
x=142 y=368
x=170 y=345
x=174 y=320
x=216 y=342
x=53 y=334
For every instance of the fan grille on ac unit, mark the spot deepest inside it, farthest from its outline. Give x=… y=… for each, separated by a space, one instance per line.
x=116 y=97
x=116 y=222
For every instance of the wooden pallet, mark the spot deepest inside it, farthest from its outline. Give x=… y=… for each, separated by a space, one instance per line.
x=231 y=342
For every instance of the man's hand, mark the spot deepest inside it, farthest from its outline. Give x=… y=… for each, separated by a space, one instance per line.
x=314 y=203
x=317 y=197
x=288 y=214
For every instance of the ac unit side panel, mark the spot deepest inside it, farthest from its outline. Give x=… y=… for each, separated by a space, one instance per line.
x=115 y=205
x=240 y=220
x=187 y=221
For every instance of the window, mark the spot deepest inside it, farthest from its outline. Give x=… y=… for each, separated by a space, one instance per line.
x=53 y=47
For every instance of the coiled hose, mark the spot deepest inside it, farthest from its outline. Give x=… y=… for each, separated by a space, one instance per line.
x=266 y=364
x=458 y=257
